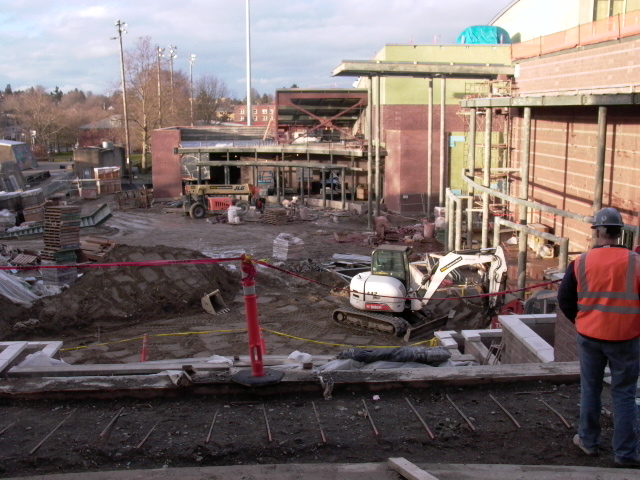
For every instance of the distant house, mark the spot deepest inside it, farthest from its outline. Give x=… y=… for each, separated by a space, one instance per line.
x=262 y=114
x=106 y=130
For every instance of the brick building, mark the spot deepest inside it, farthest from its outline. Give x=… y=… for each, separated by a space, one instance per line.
x=263 y=114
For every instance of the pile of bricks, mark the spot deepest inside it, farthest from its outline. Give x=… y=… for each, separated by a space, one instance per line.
x=61 y=240
x=108 y=179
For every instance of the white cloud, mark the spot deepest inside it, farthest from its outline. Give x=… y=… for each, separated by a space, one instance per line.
x=67 y=42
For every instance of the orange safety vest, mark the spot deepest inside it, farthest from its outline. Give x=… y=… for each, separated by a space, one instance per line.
x=608 y=294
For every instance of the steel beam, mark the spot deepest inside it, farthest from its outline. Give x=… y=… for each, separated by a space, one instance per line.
x=603 y=99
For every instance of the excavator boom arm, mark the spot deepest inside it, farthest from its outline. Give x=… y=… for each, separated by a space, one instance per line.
x=453 y=260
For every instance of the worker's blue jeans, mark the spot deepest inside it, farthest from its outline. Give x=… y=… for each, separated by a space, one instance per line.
x=624 y=363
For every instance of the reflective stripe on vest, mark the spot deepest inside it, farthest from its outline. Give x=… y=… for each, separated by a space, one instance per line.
x=608 y=298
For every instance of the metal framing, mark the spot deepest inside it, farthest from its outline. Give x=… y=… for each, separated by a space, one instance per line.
x=528 y=103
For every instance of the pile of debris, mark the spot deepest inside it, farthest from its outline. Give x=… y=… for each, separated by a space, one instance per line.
x=132 y=294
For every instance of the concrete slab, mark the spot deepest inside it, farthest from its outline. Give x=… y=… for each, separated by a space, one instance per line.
x=360 y=471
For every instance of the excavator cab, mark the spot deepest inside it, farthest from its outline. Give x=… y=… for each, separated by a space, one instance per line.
x=391 y=261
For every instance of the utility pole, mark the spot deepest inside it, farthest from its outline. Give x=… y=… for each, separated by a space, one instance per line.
x=173 y=53
x=249 y=112
x=121 y=27
x=192 y=61
x=160 y=55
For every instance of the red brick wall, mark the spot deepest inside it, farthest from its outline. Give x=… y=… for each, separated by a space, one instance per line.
x=565 y=348
x=405 y=133
x=515 y=351
x=563 y=156
x=590 y=70
x=166 y=175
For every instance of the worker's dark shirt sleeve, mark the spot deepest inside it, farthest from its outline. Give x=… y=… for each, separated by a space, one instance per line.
x=568 y=294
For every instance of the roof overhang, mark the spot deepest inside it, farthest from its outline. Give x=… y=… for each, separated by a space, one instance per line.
x=597 y=100
x=354 y=68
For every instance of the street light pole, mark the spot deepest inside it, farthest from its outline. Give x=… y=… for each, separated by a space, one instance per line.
x=160 y=55
x=173 y=53
x=121 y=27
x=248 y=41
x=192 y=61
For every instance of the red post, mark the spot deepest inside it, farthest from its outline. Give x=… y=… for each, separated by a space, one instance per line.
x=143 y=351
x=256 y=344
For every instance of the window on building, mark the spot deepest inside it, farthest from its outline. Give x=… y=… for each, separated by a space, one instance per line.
x=255 y=111
x=264 y=111
x=242 y=111
x=255 y=118
x=242 y=118
x=608 y=8
x=265 y=118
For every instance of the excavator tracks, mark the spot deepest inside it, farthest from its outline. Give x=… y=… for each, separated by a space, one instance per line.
x=369 y=321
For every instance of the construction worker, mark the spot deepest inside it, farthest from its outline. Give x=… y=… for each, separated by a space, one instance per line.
x=600 y=293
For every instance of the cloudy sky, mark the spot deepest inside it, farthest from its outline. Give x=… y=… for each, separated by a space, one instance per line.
x=67 y=43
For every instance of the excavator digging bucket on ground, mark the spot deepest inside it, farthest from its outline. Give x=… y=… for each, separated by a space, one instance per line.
x=214 y=304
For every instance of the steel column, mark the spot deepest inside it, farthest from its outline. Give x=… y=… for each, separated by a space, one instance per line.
x=324 y=188
x=443 y=137
x=471 y=141
x=600 y=157
x=448 y=226
x=524 y=194
x=487 y=176
x=430 y=149
x=370 y=157
x=378 y=139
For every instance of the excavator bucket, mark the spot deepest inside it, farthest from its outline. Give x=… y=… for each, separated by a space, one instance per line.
x=214 y=304
x=422 y=330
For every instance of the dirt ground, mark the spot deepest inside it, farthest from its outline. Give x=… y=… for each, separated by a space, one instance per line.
x=285 y=429
x=102 y=317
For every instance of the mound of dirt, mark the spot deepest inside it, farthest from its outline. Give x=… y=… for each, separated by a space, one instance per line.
x=134 y=294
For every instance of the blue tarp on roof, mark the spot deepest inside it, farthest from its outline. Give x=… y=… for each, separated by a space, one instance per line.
x=484 y=35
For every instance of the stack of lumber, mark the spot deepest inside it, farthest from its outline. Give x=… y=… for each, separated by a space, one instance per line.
x=95 y=248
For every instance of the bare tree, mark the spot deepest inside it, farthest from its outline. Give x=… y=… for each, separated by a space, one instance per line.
x=39 y=115
x=210 y=92
x=141 y=93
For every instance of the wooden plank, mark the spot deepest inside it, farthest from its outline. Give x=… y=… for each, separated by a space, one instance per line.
x=9 y=353
x=408 y=470
x=144 y=368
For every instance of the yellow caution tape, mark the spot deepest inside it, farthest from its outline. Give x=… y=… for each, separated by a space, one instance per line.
x=151 y=335
x=431 y=342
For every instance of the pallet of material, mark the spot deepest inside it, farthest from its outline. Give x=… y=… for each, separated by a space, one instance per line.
x=275 y=216
x=69 y=256
x=96 y=248
x=24 y=259
x=33 y=214
x=58 y=276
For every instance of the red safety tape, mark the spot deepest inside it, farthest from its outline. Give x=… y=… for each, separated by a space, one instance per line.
x=407 y=298
x=153 y=263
